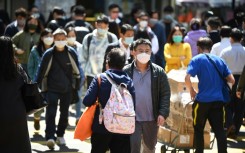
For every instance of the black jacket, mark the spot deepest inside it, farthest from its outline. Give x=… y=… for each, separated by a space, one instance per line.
x=160 y=89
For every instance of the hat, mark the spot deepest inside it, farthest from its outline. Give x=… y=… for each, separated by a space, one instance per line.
x=59 y=31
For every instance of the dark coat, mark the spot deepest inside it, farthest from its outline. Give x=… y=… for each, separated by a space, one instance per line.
x=14 y=136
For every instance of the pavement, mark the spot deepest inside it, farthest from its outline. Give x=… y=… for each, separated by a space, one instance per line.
x=38 y=141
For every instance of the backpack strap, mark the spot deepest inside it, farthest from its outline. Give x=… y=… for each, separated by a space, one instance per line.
x=89 y=40
x=109 y=37
x=110 y=80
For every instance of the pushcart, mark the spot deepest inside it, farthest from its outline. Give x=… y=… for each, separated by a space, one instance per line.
x=171 y=145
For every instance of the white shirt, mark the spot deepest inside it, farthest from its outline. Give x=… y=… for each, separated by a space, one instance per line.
x=218 y=47
x=126 y=50
x=234 y=56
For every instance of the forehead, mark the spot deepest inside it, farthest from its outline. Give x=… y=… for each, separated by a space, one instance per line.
x=59 y=36
x=114 y=9
x=178 y=32
x=129 y=32
x=143 y=47
x=144 y=17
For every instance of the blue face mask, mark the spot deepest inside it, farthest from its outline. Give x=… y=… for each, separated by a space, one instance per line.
x=128 y=40
x=102 y=32
x=177 y=39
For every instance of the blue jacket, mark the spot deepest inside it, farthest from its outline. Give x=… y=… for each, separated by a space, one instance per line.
x=103 y=93
x=33 y=63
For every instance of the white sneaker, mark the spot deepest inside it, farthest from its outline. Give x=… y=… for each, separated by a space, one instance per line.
x=61 y=141
x=51 y=144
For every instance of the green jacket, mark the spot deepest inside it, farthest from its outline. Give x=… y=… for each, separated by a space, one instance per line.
x=241 y=84
x=159 y=87
x=22 y=40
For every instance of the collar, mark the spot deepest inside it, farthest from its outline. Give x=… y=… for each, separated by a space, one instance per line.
x=136 y=68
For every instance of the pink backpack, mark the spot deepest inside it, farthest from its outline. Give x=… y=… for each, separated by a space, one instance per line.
x=118 y=114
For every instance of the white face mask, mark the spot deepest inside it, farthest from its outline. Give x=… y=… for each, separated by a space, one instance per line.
x=143 y=24
x=128 y=40
x=143 y=58
x=60 y=44
x=102 y=32
x=48 y=40
x=71 y=40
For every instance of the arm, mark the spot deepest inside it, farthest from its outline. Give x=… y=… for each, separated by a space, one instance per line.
x=31 y=65
x=189 y=86
x=155 y=45
x=42 y=68
x=84 y=52
x=241 y=84
x=92 y=93
x=167 y=54
x=188 y=54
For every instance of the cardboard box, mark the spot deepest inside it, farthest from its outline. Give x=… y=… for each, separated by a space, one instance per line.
x=164 y=134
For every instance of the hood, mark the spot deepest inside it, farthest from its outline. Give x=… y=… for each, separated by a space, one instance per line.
x=119 y=76
x=195 y=35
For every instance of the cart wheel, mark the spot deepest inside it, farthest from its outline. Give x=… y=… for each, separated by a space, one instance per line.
x=173 y=151
x=163 y=149
x=187 y=150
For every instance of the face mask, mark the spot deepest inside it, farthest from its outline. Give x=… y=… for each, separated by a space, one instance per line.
x=177 y=39
x=21 y=22
x=143 y=24
x=37 y=15
x=153 y=21
x=48 y=40
x=143 y=58
x=102 y=32
x=128 y=40
x=71 y=40
x=60 y=44
x=32 y=26
x=168 y=17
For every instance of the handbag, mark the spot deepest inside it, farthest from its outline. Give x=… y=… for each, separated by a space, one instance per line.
x=32 y=97
x=226 y=90
x=84 y=126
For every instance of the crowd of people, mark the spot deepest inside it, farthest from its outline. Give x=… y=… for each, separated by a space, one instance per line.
x=61 y=54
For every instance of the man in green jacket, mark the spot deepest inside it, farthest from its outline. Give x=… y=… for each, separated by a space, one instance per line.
x=152 y=97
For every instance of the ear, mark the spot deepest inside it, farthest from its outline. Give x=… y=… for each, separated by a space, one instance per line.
x=138 y=20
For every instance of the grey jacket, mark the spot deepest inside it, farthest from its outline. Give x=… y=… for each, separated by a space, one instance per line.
x=160 y=89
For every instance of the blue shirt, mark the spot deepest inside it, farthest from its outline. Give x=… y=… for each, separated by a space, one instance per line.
x=210 y=84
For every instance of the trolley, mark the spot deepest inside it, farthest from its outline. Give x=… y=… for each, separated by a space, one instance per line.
x=172 y=147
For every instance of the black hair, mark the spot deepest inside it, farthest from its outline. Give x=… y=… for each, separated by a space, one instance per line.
x=152 y=12
x=40 y=44
x=21 y=12
x=58 y=10
x=225 y=31
x=214 y=22
x=205 y=43
x=168 y=9
x=8 y=67
x=69 y=29
x=112 y=6
x=53 y=25
x=142 y=13
x=79 y=10
x=141 y=41
x=26 y=27
x=195 y=24
x=126 y=27
x=102 y=18
x=116 y=58
x=236 y=34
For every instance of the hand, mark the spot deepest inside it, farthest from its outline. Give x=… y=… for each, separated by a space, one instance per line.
x=238 y=94
x=182 y=58
x=193 y=93
x=160 y=120
x=19 y=51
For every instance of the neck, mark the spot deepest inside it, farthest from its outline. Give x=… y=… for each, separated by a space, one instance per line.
x=141 y=67
x=206 y=51
x=46 y=46
x=125 y=45
x=60 y=49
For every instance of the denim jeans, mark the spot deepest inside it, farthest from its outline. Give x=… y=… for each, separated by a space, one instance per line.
x=64 y=100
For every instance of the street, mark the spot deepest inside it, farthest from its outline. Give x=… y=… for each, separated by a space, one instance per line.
x=38 y=141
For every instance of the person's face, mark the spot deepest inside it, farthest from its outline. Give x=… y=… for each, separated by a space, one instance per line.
x=71 y=34
x=21 y=20
x=33 y=21
x=114 y=13
x=60 y=37
x=49 y=35
x=142 y=48
x=177 y=33
x=101 y=25
x=155 y=16
x=144 y=18
x=128 y=33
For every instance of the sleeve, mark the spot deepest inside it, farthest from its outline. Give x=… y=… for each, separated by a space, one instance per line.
x=84 y=52
x=16 y=40
x=155 y=45
x=92 y=93
x=42 y=68
x=192 y=68
x=167 y=54
x=31 y=65
x=241 y=82
x=164 y=96
x=132 y=92
x=188 y=54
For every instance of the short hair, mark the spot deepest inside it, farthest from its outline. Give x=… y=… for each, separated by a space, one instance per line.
x=116 y=58
x=79 y=10
x=168 y=9
x=205 y=43
x=21 y=12
x=58 y=10
x=69 y=29
x=112 y=6
x=236 y=34
x=195 y=24
x=214 y=22
x=152 y=12
x=141 y=41
x=225 y=31
x=102 y=18
x=142 y=13
x=176 y=28
x=126 y=27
